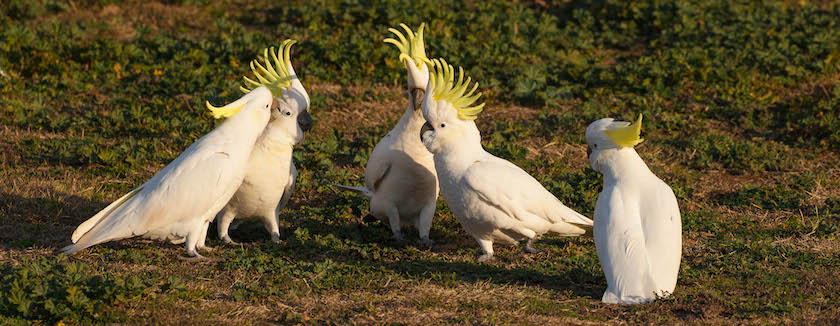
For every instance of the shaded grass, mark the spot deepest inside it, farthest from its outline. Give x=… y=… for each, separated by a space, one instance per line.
x=741 y=110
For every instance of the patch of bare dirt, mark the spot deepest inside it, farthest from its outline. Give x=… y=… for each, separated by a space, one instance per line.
x=123 y=19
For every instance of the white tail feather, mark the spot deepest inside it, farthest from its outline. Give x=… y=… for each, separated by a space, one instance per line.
x=359 y=190
x=91 y=222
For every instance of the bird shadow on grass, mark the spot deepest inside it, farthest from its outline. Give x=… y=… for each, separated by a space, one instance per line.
x=42 y=221
x=575 y=280
x=349 y=244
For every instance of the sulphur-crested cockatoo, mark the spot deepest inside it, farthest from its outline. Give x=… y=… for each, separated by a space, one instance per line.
x=270 y=179
x=400 y=177
x=638 y=231
x=493 y=199
x=180 y=201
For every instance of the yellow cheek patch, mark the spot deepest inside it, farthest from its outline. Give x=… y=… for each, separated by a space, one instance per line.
x=627 y=136
x=225 y=111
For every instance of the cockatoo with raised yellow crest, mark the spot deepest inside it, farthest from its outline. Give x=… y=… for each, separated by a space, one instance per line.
x=270 y=179
x=638 y=230
x=493 y=199
x=180 y=201
x=400 y=175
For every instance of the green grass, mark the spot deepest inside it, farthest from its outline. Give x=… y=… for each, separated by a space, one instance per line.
x=742 y=118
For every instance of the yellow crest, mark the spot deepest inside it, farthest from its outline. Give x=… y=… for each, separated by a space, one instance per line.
x=627 y=136
x=412 y=47
x=225 y=111
x=446 y=88
x=274 y=77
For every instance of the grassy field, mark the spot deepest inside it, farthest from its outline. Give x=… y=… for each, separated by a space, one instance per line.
x=742 y=118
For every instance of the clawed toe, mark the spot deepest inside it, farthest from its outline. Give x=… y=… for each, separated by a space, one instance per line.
x=275 y=237
x=485 y=258
x=426 y=241
x=229 y=241
x=528 y=247
x=531 y=250
x=200 y=259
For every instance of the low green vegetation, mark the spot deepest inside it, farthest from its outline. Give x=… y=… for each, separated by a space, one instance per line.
x=741 y=105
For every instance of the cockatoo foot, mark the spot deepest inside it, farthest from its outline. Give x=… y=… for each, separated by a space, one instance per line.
x=275 y=237
x=206 y=248
x=397 y=237
x=426 y=241
x=529 y=249
x=230 y=241
x=200 y=259
x=485 y=258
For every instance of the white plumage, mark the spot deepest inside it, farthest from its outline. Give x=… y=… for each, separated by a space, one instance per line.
x=400 y=177
x=493 y=199
x=180 y=201
x=271 y=175
x=638 y=230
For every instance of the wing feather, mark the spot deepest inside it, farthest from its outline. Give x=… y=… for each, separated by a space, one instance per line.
x=622 y=251
x=521 y=197
x=378 y=166
x=182 y=191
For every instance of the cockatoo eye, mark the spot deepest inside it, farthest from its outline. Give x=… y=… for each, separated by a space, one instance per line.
x=288 y=113
x=442 y=125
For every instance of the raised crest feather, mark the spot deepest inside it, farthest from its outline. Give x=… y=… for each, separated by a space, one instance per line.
x=275 y=77
x=446 y=88
x=627 y=136
x=411 y=48
x=224 y=111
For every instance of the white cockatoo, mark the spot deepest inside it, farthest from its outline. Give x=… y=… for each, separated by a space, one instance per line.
x=270 y=179
x=180 y=201
x=638 y=230
x=493 y=199
x=400 y=177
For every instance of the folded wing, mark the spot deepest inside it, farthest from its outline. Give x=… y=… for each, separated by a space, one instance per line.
x=524 y=201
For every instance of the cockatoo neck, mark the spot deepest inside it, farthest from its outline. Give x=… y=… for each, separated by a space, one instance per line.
x=410 y=122
x=275 y=139
x=618 y=164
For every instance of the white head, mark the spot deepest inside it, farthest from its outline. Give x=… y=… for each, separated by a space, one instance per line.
x=607 y=135
x=450 y=120
x=291 y=118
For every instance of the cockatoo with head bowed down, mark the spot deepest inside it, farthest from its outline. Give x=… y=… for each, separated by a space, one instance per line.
x=400 y=175
x=180 y=201
x=270 y=179
x=638 y=230
x=493 y=199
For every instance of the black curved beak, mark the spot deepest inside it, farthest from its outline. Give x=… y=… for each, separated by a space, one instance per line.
x=305 y=121
x=417 y=98
x=426 y=127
